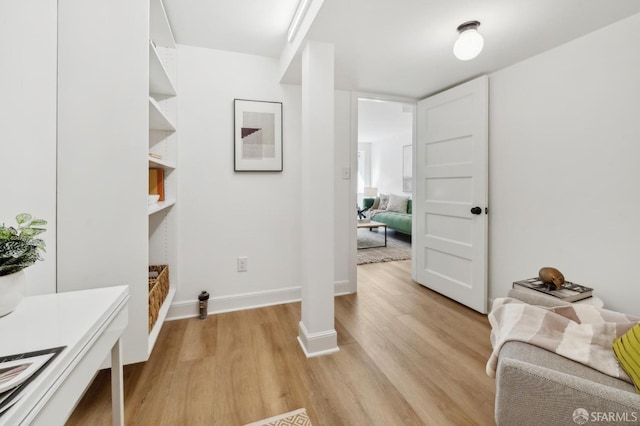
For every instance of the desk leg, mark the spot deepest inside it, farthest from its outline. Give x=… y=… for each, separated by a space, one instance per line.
x=117 y=388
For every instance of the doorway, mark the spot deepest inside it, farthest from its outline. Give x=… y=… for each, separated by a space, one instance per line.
x=383 y=148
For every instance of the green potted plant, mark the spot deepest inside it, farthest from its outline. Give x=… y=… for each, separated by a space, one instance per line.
x=19 y=248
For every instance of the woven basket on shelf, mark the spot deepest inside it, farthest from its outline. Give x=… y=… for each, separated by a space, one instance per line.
x=158 y=290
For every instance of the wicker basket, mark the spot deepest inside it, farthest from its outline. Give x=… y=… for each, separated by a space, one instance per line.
x=158 y=290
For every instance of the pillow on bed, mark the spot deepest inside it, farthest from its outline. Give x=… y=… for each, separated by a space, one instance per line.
x=397 y=203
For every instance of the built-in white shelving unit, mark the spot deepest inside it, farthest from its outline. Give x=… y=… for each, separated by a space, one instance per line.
x=164 y=310
x=157 y=163
x=158 y=120
x=163 y=140
x=161 y=205
x=107 y=234
x=159 y=81
x=159 y=28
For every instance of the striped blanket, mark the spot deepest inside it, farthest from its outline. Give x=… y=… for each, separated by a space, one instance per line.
x=580 y=332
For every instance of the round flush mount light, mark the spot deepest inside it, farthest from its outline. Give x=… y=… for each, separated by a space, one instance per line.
x=469 y=43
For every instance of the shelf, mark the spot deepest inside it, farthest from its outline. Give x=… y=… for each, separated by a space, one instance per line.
x=157 y=119
x=159 y=81
x=155 y=162
x=162 y=141
x=159 y=206
x=164 y=310
x=160 y=30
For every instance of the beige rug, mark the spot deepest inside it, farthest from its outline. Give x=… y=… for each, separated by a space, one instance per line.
x=294 y=418
x=397 y=248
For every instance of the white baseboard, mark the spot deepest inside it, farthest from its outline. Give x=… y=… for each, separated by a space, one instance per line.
x=317 y=344
x=343 y=287
x=218 y=305
x=182 y=310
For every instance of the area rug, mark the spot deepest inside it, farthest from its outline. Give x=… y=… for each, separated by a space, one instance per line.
x=294 y=418
x=396 y=249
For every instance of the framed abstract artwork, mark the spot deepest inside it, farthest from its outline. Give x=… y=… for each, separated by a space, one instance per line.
x=257 y=136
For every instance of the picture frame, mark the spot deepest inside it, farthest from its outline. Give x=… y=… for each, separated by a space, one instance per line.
x=257 y=136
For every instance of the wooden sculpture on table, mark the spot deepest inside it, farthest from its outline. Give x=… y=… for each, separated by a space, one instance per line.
x=551 y=277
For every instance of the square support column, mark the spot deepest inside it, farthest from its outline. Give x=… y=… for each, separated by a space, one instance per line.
x=317 y=334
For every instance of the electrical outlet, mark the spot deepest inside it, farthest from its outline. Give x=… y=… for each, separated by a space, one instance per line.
x=242 y=264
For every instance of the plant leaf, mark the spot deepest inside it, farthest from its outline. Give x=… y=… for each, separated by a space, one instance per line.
x=11 y=269
x=42 y=246
x=4 y=234
x=30 y=232
x=13 y=248
x=18 y=247
x=27 y=232
x=37 y=242
x=23 y=218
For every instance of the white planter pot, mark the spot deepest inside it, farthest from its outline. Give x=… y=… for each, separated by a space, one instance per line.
x=12 y=288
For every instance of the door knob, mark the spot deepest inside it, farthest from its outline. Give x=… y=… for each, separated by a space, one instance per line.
x=476 y=210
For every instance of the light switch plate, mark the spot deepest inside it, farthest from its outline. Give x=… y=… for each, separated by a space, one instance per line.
x=346 y=173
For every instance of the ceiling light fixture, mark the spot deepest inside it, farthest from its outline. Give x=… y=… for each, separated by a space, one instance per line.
x=296 y=21
x=469 y=43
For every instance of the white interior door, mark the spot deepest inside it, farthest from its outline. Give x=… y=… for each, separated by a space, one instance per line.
x=450 y=242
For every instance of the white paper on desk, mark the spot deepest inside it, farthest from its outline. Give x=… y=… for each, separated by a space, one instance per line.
x=13 y=373
x=7 y=394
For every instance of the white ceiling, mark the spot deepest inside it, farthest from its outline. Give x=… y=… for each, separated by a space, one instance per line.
x=257 y=27
x=400 y=47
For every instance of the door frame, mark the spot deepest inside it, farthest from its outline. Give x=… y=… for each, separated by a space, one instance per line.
x=353 y=192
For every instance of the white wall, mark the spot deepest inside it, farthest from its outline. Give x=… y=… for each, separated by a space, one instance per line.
x=365 y=147
x=564 y=172
x=223 y=214
x=386 y=163
x=363 y=168
x=345 y=211
x=28 y=122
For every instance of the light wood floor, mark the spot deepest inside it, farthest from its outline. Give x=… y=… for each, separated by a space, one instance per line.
x=408 y=356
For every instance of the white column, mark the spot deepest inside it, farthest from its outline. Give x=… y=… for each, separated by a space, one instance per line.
x=317 y=335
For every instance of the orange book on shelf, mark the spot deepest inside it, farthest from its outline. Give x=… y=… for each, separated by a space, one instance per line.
x=156 y=183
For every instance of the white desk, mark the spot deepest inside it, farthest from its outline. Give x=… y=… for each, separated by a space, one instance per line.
x=89 y=323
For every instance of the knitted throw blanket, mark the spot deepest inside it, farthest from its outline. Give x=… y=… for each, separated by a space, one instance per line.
x=580 y=332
